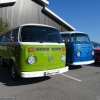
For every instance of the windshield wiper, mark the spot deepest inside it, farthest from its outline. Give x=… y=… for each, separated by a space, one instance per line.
x=41 y=41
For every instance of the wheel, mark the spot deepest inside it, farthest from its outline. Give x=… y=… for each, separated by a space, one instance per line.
x=96 y=60
x=14 y=74
x=0 y=62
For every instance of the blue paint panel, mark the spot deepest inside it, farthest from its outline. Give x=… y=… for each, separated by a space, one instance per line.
x=72 y=49
x=86 y=52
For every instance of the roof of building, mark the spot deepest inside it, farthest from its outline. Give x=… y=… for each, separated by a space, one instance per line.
x=54 y=15
x=57 y=17
x=7 y=1
x=45 y=2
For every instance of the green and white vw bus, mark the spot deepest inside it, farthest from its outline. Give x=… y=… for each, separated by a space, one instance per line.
x=33 y=50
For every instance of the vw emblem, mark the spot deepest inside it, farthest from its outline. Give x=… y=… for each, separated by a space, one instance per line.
x=50 y=58
x=88 y=53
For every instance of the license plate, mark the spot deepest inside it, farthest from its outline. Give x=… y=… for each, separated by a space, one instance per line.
x=51 y=73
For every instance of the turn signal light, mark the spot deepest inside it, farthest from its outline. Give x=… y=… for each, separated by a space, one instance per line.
x=63 y=48
x=31 y=50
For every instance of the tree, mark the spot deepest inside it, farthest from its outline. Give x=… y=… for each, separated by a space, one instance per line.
x=4 y=26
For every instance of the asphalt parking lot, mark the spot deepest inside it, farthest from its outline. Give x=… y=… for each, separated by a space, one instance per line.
x=79 y=83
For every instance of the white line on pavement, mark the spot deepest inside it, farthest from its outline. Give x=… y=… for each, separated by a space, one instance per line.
x=72 y=77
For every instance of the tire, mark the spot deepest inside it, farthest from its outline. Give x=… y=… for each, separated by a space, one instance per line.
x=96 y=60
x=14 y=74
x=0 y=61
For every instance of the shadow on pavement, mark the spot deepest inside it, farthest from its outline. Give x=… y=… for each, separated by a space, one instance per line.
x=74 y=67
x=97 y=64
x=5 y=78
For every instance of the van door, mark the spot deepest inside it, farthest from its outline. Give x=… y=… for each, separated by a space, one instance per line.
x=67 y=41
x=3 y=47
x=5 y=44
x=14 y=47
x=2 y=37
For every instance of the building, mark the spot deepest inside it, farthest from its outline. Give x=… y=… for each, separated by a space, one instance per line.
x=18 y=12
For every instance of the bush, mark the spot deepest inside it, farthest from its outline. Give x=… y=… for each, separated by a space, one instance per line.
x=4 y=26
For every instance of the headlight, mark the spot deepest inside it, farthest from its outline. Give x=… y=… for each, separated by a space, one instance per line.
x=63 y=58
x=31 y=60
x=78 y=54
x=92 y=52
x=78 y=47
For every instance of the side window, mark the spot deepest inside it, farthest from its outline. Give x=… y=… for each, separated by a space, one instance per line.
x=3 y=38
x=7 y=36
x=65 y=38
x=72 y=39
x=15 y=35
x=0 y=38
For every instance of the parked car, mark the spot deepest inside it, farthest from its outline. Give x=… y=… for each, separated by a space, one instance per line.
x=96 y=51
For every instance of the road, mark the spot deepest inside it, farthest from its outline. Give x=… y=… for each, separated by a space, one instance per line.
x=79 y=83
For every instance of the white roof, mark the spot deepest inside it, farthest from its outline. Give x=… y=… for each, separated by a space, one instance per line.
x=71 y=32
x=35 y=24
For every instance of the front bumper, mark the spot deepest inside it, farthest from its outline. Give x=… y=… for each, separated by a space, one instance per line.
x=44 y=73
x=82 y=63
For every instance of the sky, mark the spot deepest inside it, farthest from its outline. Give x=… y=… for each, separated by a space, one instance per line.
x=83 y=15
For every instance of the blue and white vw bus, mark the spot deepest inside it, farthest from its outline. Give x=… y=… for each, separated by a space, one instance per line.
x=79 y=49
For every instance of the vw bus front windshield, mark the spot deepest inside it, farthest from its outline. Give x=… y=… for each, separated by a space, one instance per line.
x=40 y=34
x=80 y=38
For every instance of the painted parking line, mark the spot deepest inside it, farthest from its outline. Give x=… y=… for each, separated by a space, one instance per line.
x=71 y=77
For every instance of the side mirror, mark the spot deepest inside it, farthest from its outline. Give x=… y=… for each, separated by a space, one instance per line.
x=11 y=39
x=64 y=41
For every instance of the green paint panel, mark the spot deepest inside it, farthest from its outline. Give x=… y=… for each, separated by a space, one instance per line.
x=42 y=57
x=43 y=54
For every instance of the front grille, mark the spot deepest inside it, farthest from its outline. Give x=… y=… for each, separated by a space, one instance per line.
x=56 y=49
x=86 y=47
x=42 y=49
x=48 y=49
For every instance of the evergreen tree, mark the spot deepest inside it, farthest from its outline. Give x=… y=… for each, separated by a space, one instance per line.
x=4 y=26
